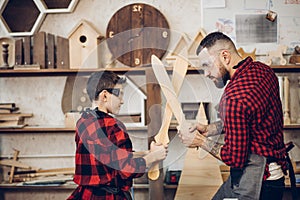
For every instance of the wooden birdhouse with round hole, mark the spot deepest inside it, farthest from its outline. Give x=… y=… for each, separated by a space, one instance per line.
x=84 y=42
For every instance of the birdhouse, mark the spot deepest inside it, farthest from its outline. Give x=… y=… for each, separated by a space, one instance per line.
x=84 y=50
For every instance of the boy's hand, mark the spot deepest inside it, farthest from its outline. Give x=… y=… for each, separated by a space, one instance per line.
x=158 y=151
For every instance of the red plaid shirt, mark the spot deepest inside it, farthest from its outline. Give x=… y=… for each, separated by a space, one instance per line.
x=252 y=114
x=103 y=157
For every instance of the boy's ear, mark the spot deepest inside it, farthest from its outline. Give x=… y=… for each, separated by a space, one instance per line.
x=102 y=95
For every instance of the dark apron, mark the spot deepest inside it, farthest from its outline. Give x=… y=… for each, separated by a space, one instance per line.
x=249 y=184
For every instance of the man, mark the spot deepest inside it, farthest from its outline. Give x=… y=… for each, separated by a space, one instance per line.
x=105 y=166
x=251 y=119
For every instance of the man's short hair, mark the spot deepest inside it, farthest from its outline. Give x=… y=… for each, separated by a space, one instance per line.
x=211 y=40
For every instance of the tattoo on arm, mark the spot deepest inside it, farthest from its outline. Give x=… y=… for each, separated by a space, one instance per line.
x=215 y=128
x=213 y=148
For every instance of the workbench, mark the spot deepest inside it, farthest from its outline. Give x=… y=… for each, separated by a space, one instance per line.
x=200 y=177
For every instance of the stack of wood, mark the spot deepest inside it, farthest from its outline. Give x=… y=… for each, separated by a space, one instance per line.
x=10 y=116
x=41 y=51
x=29 y=175
x=43 y=175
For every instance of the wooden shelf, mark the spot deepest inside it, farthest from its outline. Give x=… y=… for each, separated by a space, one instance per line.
x=286 y=68
x=52 y=129
x=36 y=129
x=66 y=72
x=39 y=129
x=83 y=72
x=121 y=71
x=292 y=126
x=69 y=186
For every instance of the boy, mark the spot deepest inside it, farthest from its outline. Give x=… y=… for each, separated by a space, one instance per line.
x=105 y=165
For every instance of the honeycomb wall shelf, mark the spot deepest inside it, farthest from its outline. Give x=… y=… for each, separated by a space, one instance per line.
x=24 y=17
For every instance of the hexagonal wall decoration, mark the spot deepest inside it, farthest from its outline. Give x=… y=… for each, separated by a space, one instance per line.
x=57 y=6
x=21 y=18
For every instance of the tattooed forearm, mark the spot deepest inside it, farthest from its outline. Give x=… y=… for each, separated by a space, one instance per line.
x=212 y=147
x=215 y=128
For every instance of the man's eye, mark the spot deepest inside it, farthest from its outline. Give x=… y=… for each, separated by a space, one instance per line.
x=204 y=64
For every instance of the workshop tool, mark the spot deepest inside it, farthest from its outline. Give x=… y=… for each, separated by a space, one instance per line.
x=179 y=71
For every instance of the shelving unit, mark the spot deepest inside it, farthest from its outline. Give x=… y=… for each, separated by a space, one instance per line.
x=82 y=72
x=136 y=70
x=154 y=99
x=120 y=71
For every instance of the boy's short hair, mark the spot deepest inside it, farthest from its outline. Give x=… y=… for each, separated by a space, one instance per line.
x=102 y=80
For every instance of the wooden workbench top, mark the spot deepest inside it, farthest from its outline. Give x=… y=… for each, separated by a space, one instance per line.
x=200 y=177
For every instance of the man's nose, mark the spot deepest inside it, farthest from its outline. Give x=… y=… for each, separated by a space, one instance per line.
x=206 y=73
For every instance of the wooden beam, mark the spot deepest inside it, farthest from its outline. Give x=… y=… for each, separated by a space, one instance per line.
x=153 y=120
x=200 y=178
x=12 y=170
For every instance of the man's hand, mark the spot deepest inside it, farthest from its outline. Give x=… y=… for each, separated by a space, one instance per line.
x=196 y=136
x=208 y=130
x=193 y=138
x=203 y=129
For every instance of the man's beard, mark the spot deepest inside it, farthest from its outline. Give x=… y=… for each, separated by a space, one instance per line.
x=221 y=82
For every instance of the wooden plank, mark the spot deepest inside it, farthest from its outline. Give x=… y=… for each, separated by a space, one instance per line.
x=50 y=51
x=153 y=119
x=62 y=53
x=12 y=169
x=14 y=163
x=19 y=52
x=27 y=50
x=200 y=178
x=39 y=49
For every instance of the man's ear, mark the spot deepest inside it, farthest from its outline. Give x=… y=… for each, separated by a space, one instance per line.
x=225 y=57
